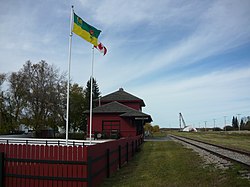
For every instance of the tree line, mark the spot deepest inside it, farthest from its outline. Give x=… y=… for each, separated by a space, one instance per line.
x=149 y=129
x=244 y=123
x=36 y=96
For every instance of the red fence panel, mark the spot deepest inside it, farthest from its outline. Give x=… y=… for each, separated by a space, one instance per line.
x=63 y=166
x=98 y=154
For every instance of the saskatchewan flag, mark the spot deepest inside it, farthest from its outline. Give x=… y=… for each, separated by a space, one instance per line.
x=86 y=31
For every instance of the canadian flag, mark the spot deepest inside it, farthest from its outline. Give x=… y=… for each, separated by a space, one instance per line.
x=101 y=48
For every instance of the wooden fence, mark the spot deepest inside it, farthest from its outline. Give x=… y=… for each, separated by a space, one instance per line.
x=63 y=166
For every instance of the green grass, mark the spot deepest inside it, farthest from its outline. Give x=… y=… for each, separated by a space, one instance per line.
x=170 y=164
x=229 y=139
x=159 y=134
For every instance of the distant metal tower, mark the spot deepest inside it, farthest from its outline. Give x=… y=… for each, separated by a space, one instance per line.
x=181 y=119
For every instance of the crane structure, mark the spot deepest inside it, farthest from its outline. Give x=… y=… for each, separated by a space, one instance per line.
x=186 y=128
x=181 y=119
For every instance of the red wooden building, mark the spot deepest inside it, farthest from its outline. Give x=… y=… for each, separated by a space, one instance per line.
x=118 y=114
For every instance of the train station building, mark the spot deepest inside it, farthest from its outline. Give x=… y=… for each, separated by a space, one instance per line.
x=118 y=114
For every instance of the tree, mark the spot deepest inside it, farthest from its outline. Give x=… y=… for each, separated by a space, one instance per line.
x=247 y=125
x=4 y=117
x=228 y=128
x=235 y=123
x=148 y=129
x=2 y=79
x=37 y=96
x=96 y=93
x=16 y=101
x=77 y=119
x=39 y=93
x=156 y=128
x=242 y=124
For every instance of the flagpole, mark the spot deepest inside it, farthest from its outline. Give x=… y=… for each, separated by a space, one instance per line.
x=91 y=97
x=69 y=62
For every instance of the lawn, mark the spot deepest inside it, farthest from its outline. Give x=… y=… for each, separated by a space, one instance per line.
x=170 y=164
x=230 y=139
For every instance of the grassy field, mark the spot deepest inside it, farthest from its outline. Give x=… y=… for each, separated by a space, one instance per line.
x=170 y=164
x=230 y=139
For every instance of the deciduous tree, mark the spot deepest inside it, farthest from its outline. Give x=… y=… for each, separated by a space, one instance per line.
x=77 y=119
x=38 y=91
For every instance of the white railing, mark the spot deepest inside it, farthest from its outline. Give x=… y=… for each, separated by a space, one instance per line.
x=40 y=141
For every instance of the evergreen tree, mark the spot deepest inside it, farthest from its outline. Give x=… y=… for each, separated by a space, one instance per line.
x=235 y=123
x=96 y=93
x=242 y=124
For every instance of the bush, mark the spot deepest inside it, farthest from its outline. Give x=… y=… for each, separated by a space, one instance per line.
x=77 y=136
x=246 y=126
x=228 y=128
x=217 y=129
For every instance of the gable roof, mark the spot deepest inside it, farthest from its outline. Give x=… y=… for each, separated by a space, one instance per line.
x=123 y=110
x=121 y=95
x=112 y=107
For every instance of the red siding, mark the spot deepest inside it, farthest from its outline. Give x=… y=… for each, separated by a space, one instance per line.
x=127 y=129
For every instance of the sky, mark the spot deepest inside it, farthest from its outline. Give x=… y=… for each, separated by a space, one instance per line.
x=182 y=56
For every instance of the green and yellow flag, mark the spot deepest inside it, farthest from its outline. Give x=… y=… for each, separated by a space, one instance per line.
x=86 y=31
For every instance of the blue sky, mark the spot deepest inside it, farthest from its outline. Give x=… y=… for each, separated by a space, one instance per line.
x=178 y=56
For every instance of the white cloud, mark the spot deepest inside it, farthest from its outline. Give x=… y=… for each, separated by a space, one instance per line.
x=219 y=28
x=143 y=40
x=214 y=94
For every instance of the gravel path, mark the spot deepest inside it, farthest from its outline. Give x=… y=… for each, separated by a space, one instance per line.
x=218 y=162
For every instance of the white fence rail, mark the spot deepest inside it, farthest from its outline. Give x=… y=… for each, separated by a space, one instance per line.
x=40 y=141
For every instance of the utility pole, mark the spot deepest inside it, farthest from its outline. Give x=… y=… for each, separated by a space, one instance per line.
x=239 y=121
x=205 y=125
x=214 y=124
x=225 y=122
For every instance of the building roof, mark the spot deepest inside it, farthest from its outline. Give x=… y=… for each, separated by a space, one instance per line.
x=123 y=110
x=120 y=96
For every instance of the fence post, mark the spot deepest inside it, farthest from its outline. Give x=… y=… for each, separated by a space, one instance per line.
x=127 y=152
x=136 y=145
x=89 y=174
x=108 y=167
x=1 y=168
x=120 y=157
x=132 y=148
